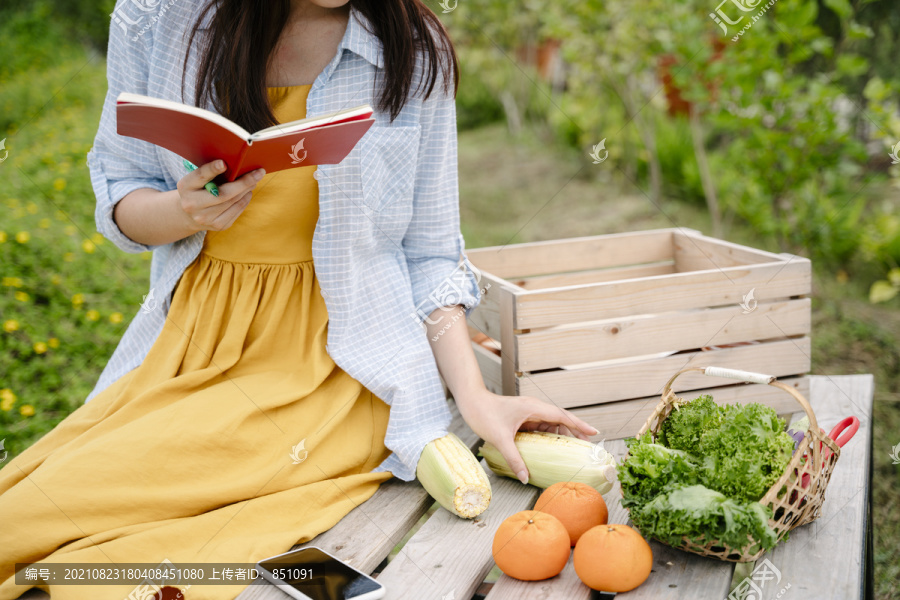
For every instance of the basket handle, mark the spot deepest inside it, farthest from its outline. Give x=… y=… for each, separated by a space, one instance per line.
x=749 y=377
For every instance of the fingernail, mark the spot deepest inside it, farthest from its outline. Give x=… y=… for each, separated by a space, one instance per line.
x=260 y=173
x=523 y=476
x=594 y=431
x=220 y=165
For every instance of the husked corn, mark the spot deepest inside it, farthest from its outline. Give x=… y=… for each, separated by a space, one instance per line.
x=449 y=471
x=552 y=457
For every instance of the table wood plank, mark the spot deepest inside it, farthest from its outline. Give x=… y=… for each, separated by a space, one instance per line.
x=826 y=558
x=368 y=533
x=448 y=557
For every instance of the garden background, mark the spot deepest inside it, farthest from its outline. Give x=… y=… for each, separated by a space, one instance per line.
x=783 y=137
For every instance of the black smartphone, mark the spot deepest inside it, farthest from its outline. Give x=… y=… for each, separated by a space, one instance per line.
x=312 y=574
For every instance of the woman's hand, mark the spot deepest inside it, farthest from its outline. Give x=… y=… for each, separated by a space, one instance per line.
x=492 y=417
x=496 y=419
x=203 y=211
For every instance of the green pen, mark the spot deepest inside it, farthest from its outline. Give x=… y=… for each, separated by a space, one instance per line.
x=213 y=189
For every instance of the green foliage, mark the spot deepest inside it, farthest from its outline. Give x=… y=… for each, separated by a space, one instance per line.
x=66 y=294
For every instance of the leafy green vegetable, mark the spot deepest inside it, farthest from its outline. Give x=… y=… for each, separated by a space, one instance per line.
x=652 y=468
x=747 y=453
x=688 y=421
x=702 y=515
x=704 y=476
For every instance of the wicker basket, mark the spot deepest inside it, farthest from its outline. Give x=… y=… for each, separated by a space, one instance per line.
x=797 y=505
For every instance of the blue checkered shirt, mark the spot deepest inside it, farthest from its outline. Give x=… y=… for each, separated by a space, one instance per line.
x=387 y=246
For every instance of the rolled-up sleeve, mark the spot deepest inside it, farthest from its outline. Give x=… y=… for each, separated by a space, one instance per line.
x=119 y=165
x=435 y=252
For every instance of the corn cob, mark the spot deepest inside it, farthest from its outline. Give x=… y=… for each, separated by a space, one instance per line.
x=449 y=471
x=551 y=458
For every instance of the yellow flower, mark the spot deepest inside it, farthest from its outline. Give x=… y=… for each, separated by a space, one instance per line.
x=55 y=279
x=23 y=236
x=2 y=237
x=44 y=223
x=88 y=246
x=146 y=255
x=116 y=318
x=40 y=347
x=60 y=215
x=31 y=207
x=59 y=185
x=53 y=342
x=26 y=410
x=21 y=296
x=12 y=202
x=10 y=325
x=70 y=229
x=12 y=282
x=69 y=256
x=7 y=395
x=7 y=404
x=98 y=239
x=92 y=315
x=78 y=299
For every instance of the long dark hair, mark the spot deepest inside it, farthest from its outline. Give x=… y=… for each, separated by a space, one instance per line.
x=243 y=35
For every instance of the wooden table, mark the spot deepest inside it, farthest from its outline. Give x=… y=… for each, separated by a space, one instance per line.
x=448 y=558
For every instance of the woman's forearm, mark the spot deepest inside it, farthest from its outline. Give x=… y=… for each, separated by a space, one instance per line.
x=452 y=348
x=151 y=217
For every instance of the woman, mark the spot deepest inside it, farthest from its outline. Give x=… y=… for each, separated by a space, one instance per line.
x=278 y=371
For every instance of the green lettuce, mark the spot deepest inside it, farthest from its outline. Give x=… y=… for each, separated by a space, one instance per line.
x=702 y=515
x=705 y=474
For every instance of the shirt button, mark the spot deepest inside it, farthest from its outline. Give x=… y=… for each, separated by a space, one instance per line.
x=316 y=175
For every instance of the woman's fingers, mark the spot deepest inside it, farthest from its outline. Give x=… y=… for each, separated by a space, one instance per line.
x=550 y=413
x=507 y=447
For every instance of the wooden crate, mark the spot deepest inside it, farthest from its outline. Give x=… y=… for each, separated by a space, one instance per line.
x=598 y=324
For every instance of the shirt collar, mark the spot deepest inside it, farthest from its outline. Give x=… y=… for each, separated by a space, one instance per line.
x=359 y=39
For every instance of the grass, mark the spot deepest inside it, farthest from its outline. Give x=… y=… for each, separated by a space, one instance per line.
x=66 y=295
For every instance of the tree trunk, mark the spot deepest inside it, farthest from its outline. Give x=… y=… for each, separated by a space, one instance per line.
x=709 y=189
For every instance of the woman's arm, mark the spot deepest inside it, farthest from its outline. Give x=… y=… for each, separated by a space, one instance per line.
x=492 y=417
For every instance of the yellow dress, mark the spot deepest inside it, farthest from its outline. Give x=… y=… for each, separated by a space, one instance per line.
x=235 y=439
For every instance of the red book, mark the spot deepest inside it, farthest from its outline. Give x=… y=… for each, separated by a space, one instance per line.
x=202 y=136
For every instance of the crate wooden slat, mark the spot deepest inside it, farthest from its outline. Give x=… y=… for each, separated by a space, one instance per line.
x=661 y=293
x=610 y=339
x=646 y=303
x=577 y=387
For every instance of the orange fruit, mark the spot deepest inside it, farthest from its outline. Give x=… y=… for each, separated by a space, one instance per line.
x=612 y=558
x=577 y=505
x=531 y=545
